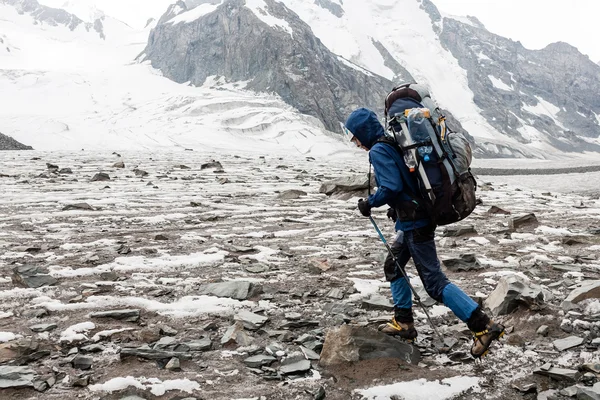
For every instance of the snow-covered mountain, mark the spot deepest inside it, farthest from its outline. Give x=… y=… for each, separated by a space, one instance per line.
x=281 y=72
x=67 y=87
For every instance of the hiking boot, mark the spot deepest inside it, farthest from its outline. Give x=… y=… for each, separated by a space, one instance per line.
x=403 y=330
x=483 y=340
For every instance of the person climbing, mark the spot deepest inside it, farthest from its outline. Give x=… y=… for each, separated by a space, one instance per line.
x=396 y=186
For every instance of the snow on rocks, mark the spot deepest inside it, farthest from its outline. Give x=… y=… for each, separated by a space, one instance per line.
x=255 y=276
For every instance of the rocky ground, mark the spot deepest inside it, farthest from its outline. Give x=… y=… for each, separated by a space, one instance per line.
x=176 y=276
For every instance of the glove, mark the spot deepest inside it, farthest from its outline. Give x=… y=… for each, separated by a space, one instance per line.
x=391 y=214
x=364 y=207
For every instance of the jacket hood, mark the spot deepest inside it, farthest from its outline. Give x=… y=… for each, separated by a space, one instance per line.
x=363 y=124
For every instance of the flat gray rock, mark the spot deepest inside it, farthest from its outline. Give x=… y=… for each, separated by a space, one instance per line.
x=33 y=276
x=589 y=393
x=250 y=320
x=259 y=361
x=238 y=290
x=43 y=327
x=16 y=377
x=567 y=343
x=292 y=194
x=129 y=315
x=459 y=230
x=295 y=367
x=345 y=184
x=585 y=290
x=558 y=373
x=466 y=262
x=151 y=354
x=377 y=303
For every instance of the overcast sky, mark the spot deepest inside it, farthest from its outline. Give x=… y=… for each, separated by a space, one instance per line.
x=536 y=23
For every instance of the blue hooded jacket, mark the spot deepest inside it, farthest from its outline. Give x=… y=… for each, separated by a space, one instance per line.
x=391 y=173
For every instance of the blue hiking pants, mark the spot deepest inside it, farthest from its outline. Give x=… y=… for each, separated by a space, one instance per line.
x=419 y=245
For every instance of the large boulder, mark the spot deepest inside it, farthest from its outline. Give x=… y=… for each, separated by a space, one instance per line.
x=350 y=344
x=513 y=291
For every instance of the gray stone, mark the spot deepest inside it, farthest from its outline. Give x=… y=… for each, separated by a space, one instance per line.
x=32 y=276
x=82 y=362
x=567 y=343
x=165 y=343
x=511 y=292
x=259 y=361
x=213 y=164
x=173 y=365
x=543 y=330
x=336 y=293
x=570 y=391
x=43 y=327
x=589 y=393
x=376 y=302
x=292 y=194
x=81 y=381
x=129 y=315
x=345 y=184
x=309 y=354
x=93 y=348
x=100 y=177
x=466 y=262
x=199 y=344
x=140 y=172
x=522 y=221
x=585 y=290
x=78 y=206
x=236 y=335
x=296 y=367
x=497 y=210
x=119 y=164
x=558 y=373
x=151 y=354
x=349 y=344
x=250 y=320
x=238 y=290
x=16 y=377
x=256 y=268
x=459 y=230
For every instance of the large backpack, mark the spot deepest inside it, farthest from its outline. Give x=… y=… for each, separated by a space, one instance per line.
x=441 y=157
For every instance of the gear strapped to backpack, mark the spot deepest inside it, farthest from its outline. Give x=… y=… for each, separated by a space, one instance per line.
x=439 y=157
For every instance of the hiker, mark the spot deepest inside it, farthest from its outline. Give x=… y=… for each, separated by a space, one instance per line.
x=415 y=238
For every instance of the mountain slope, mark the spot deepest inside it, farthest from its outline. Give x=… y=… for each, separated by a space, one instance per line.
x=267 y=46
x=71 y=89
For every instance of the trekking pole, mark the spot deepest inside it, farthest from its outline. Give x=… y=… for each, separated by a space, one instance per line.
x=414 y=292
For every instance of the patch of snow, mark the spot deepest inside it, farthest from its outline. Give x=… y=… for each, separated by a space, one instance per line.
x=195 y=13
x=366 y=287
x=498 y=84
x=482 y=57
x=480 y=240
x=259 y=8
x=74 y=333
x=8 y=336
x=155 y=385
x=108 y=333
x=546 y=108
x=422 y=389
x=187 y=306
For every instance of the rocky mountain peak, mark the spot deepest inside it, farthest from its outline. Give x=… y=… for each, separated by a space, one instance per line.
x=270 y=48
x=55 y=16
